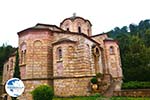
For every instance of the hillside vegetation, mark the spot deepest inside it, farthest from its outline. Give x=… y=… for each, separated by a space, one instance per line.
x=5 y=52
x=134 y=42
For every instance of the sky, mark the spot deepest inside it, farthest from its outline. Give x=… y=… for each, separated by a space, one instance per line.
x=17 y=15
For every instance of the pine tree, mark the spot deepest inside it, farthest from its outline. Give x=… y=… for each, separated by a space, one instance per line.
x=17 y=68
x=16 y=71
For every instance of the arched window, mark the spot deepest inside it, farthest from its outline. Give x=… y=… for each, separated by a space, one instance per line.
x=79 y=29
x=59 y=53
x=23 y=53
x=111 y=50
x=97 y=51
x=67 y=29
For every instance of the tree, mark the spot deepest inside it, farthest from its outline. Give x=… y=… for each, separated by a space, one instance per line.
x=124 y=29
x=16 y=70
x=5 y=52
x=133 y=28
x=147 y=38
x=135 y=50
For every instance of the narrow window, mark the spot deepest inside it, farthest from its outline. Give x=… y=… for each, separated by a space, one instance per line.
x=79 y=29
x=23 y=53
x=59 y=53
x=88 y=31
x=24 y=57
x=111 y=50
x=67 y=29
x=21 y=57
x=97 y=51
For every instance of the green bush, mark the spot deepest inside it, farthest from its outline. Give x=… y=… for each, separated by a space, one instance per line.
x=43 y=92
x=136 y=85
x=99 y=75
x=94 y=80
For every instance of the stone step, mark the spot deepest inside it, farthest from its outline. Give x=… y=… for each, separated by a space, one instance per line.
x=109 y=91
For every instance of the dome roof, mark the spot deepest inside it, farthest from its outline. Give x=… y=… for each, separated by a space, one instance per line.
x=74 y=18
x=77 y=24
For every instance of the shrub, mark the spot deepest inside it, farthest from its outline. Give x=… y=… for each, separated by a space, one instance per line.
x=43 y=92
x=136 y=85
x=94 y=80
x=99 y=75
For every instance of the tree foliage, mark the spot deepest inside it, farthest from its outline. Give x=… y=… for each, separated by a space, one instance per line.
x=5 y=52
x=16 y=73
x=17 y=68
x=135 y=50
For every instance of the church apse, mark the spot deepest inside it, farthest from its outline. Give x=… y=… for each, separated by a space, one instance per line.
x=65 y=57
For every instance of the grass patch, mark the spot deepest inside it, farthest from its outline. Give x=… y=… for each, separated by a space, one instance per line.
x=77 y=98
x=100 y=98
x=129 y=98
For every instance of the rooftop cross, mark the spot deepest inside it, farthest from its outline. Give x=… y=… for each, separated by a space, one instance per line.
x=74 y=15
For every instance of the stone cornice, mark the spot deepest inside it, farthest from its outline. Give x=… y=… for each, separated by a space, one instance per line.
x=56 y=77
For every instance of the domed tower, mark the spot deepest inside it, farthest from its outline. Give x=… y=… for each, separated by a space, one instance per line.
x=77 y=24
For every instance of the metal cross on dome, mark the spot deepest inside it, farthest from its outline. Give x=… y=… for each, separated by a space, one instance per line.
x=74 y=15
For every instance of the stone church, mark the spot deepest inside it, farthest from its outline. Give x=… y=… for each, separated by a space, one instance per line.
x=65 y=57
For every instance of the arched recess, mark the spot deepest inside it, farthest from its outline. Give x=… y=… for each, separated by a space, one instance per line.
x=59 y=58
x=103 y=61
x=97 y=59
x=37 y=50
x=71 y=52
x=37 y=43
x=37 y=60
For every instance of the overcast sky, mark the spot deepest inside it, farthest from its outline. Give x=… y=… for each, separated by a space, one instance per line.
x=16 y=15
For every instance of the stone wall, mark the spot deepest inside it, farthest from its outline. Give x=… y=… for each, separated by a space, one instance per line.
x=72 y=86
x=113 y=58
x=133 y=93
x=36 y=69
x=80 y=62
x=38 y=54
x=81 y=65
x=8 y=68
x=31 y=85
